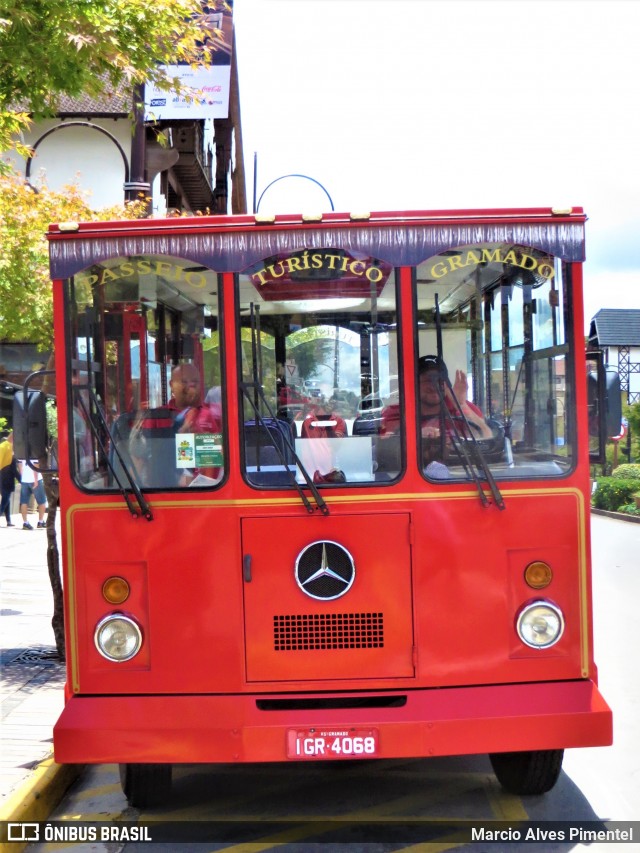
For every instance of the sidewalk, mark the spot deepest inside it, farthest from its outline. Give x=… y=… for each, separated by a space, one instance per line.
x=32 y=678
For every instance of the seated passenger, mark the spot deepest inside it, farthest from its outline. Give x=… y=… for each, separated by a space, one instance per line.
x=322 y=422
x=153 y=446
x=186 y=400
x=193 y=416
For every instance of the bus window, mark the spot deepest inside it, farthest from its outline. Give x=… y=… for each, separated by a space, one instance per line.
x=495 y=314
x=146 y=379
x=319 y=360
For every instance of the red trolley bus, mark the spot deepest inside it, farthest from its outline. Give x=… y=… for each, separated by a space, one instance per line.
x=324 y=485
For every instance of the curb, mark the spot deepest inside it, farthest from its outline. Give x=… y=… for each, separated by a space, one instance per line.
x=35 y=799
x=621 y=516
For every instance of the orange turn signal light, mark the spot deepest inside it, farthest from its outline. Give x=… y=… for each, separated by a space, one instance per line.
x=538 y=575
x=115 y=590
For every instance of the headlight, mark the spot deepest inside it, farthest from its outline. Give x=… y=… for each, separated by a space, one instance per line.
x=117 y=637
x=540 y=624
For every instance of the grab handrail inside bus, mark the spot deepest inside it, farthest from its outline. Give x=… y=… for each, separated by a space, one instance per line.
x=461 y=439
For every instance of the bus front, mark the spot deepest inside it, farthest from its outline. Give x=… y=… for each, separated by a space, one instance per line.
x=325 y=492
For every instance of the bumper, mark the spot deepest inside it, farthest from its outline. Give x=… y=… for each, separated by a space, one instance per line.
x=227 y=729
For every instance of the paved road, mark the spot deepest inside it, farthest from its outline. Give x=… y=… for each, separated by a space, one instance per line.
x=610 y=777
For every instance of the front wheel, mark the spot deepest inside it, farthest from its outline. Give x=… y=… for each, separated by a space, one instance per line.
x=534 y=772
x=146 y=785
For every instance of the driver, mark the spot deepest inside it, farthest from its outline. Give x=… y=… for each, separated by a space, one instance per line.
x=431 y=371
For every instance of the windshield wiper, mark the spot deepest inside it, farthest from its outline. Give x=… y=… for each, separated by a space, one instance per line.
x=258 y=393
x=145 y=509
x=463 y=442
x=458 y=440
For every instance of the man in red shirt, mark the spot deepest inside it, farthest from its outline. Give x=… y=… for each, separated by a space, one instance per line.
x=322 y=423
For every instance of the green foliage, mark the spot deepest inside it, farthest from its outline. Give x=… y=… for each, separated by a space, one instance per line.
x=91 y=47
x=26 y=308
x=632 y=414
x=629 y=509
x=11 y=126
x=312 y=350
x=52 y=418
x=628 y=471
x=613 y=493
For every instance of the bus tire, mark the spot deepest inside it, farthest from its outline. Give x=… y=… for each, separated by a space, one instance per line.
x=534 y=772
x=146 y=785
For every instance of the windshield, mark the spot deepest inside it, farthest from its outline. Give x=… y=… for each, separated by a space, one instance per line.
x=145 y=402
x=493 y=316
x=319 y=339
x=321 y=385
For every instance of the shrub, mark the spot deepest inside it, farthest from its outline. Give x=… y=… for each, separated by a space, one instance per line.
x=612 y=493
x=628 y=471
x=629 y=509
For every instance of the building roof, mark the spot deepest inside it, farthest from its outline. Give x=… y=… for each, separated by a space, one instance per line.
x=615 y=327
x=108 y=103
x=111 y=102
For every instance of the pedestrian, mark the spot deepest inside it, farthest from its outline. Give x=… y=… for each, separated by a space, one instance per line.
x=8 y=475
x=31 y=484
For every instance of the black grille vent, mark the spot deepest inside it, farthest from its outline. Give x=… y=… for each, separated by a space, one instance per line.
x=319 y=631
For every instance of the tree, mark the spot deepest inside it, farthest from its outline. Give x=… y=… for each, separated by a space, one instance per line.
x=78 y=47
x=26 y=309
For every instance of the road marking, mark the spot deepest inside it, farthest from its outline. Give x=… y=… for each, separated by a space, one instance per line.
x=386 y=813
x=438 y=794
x=505 y=806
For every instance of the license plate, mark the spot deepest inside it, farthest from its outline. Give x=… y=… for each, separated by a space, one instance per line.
x=319 y=743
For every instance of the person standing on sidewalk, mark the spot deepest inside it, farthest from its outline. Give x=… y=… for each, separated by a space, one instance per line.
x=8 y=475
x=31 y=485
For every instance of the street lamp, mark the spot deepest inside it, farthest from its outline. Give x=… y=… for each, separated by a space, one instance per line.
x=256 y=204
x=136 y=185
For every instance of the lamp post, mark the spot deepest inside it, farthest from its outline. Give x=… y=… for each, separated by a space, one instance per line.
x=137 y=185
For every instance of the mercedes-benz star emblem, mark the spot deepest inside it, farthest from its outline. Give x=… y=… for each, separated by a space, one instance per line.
x=324 y=570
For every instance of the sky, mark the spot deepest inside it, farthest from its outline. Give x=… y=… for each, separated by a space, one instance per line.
x=437 y=104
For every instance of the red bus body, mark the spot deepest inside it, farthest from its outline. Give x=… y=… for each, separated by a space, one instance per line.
x=421 y=657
